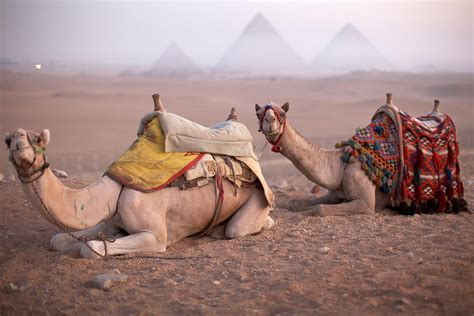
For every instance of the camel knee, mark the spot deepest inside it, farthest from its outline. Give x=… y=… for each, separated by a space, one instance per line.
x=233 y=231
x=269 y=223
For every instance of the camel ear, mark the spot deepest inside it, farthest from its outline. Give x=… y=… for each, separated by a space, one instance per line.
x=257 y=107
x=45 y=137
x=286 y=106
x=8 y=139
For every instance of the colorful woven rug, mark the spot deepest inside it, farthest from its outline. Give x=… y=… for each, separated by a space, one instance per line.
x=146 y=167
x=427 y=179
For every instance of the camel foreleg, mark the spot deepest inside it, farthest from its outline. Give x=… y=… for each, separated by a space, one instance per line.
x=301 y=205
x=143 y=241
x=349 y=208
x=64 y=242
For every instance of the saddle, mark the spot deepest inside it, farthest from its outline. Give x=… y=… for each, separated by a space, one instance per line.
x=412 y=159
x=229 y=138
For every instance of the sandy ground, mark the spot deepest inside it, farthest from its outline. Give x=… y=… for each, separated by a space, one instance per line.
x=379 y=264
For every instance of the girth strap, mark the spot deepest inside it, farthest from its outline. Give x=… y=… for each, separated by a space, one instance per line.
x=219 y=181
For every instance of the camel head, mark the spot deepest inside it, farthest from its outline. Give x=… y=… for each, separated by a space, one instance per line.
x=27 y=151
x=272 y=121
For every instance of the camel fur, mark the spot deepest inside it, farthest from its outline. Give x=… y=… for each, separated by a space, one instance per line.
x=350 y=190
x=151 y=221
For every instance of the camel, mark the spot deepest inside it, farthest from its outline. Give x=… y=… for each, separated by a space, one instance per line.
x=350 y=190
x=151 y=221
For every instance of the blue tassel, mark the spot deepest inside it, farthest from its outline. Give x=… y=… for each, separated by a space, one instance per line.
x=449 y=175
x=377 y=146
x=379 y=130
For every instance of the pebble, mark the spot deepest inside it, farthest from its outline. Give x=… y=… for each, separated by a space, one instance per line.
x=216 y=282
x=401 y=304
x=107 y=281
x=60 y=173
x=324 y=250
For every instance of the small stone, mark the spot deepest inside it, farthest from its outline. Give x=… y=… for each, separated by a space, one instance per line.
x=60 y=173
x=324 y=250
x=216 y=282
x=401 y=304
x=410 y=254
x=11 y=287
x=107 y=281
x=170 y=282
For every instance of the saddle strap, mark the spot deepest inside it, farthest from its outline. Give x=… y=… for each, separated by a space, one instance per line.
x=219 y=181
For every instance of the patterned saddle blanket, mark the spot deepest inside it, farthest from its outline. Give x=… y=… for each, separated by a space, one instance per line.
x=413 y=160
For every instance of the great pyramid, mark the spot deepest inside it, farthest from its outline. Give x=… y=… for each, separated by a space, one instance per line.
x=350 y=50
x=173 y=63
x=260 y=48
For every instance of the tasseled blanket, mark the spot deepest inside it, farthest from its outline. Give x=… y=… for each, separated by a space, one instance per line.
x=428 y=179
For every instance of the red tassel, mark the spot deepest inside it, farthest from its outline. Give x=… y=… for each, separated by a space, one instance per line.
x=404 y=190
x=419 y=195
x=419 y=157
x=451 y=155
x=460 y=189
x=441 y=200
x=437 y=162
x=450 y=191
x=456 y=144
x=406 y=153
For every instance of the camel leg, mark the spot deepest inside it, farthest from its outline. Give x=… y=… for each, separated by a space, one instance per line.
x=251 y=217
x=143 y=241
x=350 y=208
x=63 y=242
x=301 y=205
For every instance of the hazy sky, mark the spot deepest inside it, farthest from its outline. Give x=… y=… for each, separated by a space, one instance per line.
x=408 y=33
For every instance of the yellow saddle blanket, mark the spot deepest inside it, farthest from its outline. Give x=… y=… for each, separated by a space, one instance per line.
x=145 y=166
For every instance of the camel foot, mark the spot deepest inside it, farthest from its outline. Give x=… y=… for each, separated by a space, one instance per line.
x=317 y=210
x=92 y=249
x=297 y=206
x=62 y=242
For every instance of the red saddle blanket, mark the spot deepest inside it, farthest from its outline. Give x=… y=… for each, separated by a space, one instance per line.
x=414 y=160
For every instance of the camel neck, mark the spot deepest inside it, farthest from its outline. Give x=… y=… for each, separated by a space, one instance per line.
x=319 y=165
x=73 y=208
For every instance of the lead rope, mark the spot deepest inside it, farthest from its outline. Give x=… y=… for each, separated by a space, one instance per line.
x=84 y=240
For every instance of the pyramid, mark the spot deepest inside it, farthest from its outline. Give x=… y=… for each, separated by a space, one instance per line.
x=259 y=48
x=350 y=50
x=174 y=63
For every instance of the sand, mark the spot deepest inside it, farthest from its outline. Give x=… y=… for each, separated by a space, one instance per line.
x=336 y=265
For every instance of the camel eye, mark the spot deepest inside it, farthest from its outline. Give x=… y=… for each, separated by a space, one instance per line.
x=38 y=140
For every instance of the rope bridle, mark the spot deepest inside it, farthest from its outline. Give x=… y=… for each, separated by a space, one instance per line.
x=26 y=177
x=276 y=145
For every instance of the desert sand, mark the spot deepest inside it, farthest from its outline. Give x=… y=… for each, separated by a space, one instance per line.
x=380 y=264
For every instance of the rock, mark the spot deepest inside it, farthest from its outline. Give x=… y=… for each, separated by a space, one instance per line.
x=11 y=287
x=107 y=281
x=60 y=173
x=324 y=250
x=401 y=304
x=2 y=178
x=216 y=282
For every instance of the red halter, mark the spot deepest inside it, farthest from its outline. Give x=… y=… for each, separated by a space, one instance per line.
x=276 y=148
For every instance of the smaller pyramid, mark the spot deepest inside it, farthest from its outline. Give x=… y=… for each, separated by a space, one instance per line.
x=174 y=63
x=259 y=48
x=350 y=50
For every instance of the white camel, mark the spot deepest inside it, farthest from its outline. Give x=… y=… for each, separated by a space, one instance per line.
x=152 y=221
x=350 y=190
